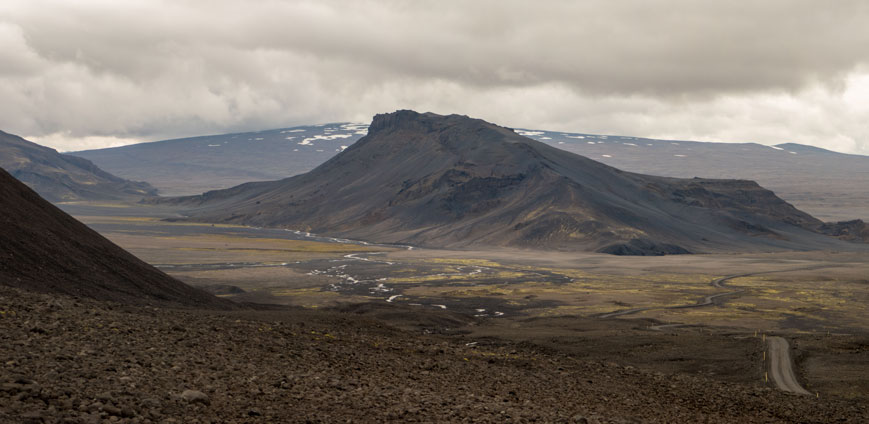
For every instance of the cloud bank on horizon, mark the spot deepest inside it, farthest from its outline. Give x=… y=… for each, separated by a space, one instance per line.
x=90 y=74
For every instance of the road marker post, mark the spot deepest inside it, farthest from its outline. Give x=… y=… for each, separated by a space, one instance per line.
x=766 y=376
x=764 y=356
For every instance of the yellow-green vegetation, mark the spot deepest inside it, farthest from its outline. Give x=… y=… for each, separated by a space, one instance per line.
x=317 y=248
x=767 y=302
x=277 y=244
x=842 y=302
x=587 y=295
x=455 y=275
x=312 y=297
x=465 y=262
x=772 y=302
x=96 y=204
x=308 y=291
x=156 y=244
x=315 y=297
x=126 y=219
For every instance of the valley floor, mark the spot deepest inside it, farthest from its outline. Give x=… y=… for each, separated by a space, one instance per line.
x=376 y=333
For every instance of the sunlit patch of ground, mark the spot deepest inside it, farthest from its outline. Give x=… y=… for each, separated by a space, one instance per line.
x=100 y=205
x=217 y=248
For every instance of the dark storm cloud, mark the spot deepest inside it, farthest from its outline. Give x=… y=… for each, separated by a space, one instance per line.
x=768 y=71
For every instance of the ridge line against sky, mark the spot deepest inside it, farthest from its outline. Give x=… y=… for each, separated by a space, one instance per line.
x=91 y=74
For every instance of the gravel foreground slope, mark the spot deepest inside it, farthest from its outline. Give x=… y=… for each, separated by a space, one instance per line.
x=79 y=361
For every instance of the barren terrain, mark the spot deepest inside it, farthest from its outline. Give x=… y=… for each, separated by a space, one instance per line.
x=554 y=301
x=74 y=360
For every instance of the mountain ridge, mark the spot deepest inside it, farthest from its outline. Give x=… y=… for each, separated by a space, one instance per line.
x=457 y=182
x=828 y=185
x=59 y=177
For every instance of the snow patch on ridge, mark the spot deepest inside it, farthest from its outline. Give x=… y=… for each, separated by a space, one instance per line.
x=307 y=141
x=529 y=133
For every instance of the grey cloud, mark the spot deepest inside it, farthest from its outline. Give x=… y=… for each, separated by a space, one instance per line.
x=159 y=69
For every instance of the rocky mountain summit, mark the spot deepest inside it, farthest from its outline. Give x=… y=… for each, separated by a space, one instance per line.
x=457 y=182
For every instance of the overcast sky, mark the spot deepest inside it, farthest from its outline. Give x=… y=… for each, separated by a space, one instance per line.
x=88 y=74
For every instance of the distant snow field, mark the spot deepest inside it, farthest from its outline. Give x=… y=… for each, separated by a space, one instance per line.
x=529 y=133
x=307 y=141
x=358 y=129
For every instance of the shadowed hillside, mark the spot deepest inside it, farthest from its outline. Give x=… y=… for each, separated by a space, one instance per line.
x=58 y=177
x=44 y=249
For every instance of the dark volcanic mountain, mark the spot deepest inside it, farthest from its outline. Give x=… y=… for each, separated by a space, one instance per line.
x=58 y=177
x=452 y=181
x=44 y=249
x=827 y=185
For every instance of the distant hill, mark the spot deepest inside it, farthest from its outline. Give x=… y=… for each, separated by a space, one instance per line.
x=58 y=177
x=198 y=164
x=456 y=182
x=44 y=249
x=831 y=186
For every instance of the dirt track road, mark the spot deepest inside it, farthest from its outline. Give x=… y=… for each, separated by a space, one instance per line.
x=780 y=368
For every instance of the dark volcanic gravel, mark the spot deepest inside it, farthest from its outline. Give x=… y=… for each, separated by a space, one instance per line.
x=72 y=360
